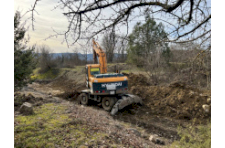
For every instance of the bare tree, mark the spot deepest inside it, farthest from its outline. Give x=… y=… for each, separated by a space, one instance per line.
x=109 y=42
x=185 y=20
x=84 y=50
x=121 y=49
x=45 y=59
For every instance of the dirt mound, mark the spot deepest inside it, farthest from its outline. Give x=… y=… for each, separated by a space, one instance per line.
x=134 y=79
x=70 y=87
x=176 y=100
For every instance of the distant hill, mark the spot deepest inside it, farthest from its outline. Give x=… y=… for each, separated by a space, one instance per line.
x=81 y=56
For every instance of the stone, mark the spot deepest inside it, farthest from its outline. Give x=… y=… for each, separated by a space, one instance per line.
x=155 y=139
x=26 y=109
x=206 y=108
x=209 y=100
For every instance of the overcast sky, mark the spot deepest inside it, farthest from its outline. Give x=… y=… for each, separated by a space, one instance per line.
x=49 y=18
x=45 y=21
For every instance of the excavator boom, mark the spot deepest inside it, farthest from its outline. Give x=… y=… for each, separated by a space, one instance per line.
x=98 y=52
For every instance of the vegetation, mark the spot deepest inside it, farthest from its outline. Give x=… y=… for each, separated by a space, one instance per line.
x=49 y=126
x=24 y=59
x=144 y=42
x=52 y=126
x=50 y=74
x=194 y=137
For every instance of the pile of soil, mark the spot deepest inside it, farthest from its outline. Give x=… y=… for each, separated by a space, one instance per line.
x=177 y=100
x=70 y=87
x=19 y=99
x=134 y=80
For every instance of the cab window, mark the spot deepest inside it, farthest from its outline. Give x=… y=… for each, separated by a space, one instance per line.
x=95 y=71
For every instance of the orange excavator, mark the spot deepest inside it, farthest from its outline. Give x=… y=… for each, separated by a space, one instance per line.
x=109 y=89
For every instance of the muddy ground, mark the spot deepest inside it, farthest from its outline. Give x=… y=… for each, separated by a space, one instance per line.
x=164 y=108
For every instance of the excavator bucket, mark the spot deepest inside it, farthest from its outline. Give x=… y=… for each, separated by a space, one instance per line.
x=126 y=100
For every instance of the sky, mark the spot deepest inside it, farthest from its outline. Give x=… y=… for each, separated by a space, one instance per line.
x=45 y=21
x=49 y=20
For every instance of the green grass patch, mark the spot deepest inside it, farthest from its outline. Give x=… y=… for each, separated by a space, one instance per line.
x=76 y=68
x=51 y=126
x=194 y=137
x=50 y=74
x=53 y=73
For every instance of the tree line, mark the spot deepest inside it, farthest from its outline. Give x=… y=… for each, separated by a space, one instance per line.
x=145 y=47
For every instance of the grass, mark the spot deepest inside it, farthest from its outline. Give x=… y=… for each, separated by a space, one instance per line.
x=194 y=137
x=77 y=68
x=50 y=74
x=50 y=126
x=53 y=73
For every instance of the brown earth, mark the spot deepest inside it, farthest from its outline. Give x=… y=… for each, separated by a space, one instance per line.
x=165 y=107
x=176 y=100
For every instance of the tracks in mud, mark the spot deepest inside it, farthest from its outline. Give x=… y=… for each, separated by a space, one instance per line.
x=161 y=126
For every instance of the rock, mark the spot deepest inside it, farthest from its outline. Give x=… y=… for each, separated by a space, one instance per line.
x=206 y=108
x=119 y=140
x=209 y=100
x=155 y=139
x=26 y=109
x=137 y=133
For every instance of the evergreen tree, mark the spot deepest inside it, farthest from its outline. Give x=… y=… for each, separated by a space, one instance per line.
x=145 y=40
x=24 y=59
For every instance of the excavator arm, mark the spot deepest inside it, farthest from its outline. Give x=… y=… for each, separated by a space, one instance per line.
x=98 y=52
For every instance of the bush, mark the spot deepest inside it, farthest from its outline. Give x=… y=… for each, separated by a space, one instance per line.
x=46 y=61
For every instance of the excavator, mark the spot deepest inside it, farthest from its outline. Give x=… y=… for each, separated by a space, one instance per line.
x=109 y=89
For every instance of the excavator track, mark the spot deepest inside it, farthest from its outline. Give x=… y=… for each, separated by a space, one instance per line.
x=126 y=100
